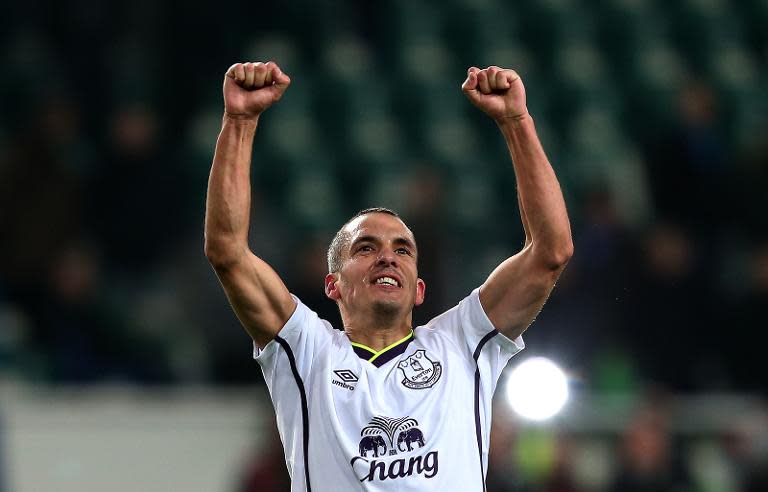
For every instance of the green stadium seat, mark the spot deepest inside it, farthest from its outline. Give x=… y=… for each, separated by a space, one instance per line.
x=454 y=141
x=348 y=58
x=387 y=190
x=473 y=202
x=580 y=65
x=734 y=69
x=313 y=200
x=376 y=139
x=425 y=61
x=409 y=21
x=600 y=156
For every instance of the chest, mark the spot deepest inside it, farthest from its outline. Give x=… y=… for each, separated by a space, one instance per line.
x=398 y=420
x=422 y=380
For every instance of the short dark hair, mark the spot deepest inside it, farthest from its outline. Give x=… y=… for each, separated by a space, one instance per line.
x=341 y=239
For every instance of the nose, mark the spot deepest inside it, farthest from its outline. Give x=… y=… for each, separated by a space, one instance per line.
x=386 y=257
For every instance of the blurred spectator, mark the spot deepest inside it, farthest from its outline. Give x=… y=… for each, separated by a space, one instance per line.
x=265 y=469
x=137 y=202
x=688 y=162
x=751 y=199
x=671 y=332
x=85 y=338
x=422 y=209
x=648 y=460
x=305 y=280
x=746 y=445
x=592 y=297
x=526 y=459
x=748 y=318
x=502 y=475
x=40 y=196
x=561 y=479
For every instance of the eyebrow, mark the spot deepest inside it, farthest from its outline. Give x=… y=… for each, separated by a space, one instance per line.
x=401 y=240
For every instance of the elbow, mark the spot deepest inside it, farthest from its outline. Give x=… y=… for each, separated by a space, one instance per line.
x=564 y=256
x=556 y=256
x=220 y=254
x=213 y=254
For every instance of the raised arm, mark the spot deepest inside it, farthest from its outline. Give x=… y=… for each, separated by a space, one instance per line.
x=258 y=296
x=516 y=290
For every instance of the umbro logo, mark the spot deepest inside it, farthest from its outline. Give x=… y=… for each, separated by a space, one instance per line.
x=346 y=375
x=347 y=379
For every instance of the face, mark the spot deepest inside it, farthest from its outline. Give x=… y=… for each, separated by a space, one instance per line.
x=378 y=272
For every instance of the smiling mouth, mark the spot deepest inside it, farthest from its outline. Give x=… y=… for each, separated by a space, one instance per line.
x=390 y=281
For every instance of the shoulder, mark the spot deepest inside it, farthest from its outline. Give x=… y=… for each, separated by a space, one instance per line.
x=304 y=327
x=466 y=326
x=441 y=330
x=468 y=311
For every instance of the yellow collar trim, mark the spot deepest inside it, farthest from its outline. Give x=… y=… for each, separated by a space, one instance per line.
x=375 y=353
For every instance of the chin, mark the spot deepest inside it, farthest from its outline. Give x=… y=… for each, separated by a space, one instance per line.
x=387 y=308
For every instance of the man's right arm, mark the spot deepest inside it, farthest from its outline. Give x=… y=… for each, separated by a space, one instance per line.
x=257 y=294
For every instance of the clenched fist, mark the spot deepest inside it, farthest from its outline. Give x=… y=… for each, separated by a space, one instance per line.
x=250 y=88
x=497 y=91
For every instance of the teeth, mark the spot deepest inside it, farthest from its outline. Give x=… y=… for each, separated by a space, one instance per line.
x=387 y=281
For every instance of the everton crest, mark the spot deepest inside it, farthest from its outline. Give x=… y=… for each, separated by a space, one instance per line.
x=419 y=370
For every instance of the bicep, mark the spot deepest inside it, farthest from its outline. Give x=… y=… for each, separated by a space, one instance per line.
x=258 y=296
x=516 y=290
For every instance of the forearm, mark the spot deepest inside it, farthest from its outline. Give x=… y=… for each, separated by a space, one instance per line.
x=228 y=202
x=542 y=206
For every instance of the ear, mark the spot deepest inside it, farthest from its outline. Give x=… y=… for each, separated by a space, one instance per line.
x=331 y=289
x=421 y=289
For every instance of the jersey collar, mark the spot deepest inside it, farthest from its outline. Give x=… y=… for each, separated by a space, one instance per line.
x=381 y=357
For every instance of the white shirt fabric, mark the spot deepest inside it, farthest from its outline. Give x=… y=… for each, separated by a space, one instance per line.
x=420 y=421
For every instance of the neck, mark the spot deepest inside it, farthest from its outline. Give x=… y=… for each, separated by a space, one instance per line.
x=375 y=332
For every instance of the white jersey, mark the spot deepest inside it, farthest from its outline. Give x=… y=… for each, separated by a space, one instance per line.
x=413 y=416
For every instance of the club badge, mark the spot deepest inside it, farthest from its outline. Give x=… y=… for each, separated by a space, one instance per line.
x=419 y=370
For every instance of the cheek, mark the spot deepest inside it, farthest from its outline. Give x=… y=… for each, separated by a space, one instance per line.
x=351 y=282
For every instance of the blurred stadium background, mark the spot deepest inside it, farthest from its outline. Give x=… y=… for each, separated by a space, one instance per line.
x=121 y=365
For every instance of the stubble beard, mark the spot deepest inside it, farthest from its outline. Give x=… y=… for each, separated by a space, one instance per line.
x=386 y=312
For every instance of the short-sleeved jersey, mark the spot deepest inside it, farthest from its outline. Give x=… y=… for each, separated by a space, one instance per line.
x=413 y=416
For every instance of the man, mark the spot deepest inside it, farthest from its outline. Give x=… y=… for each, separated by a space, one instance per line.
x=382 y=406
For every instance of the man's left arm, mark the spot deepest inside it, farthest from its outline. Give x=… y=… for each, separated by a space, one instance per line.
x=516 y=290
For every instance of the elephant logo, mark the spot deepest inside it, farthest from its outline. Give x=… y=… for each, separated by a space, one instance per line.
x=374 y=444
x=419 y=370
x=409 y=437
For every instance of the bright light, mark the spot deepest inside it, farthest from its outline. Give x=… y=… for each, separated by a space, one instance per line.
x=537 y=389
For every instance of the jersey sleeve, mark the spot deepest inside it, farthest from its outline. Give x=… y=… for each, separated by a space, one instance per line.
x=471 y=332
x=467 y=328
x=291 y=353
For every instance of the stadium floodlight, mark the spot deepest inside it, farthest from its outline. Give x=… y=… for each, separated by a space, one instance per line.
x=537 y=389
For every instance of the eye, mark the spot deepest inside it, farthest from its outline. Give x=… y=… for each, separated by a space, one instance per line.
x=403 y=251
x=365 y=248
